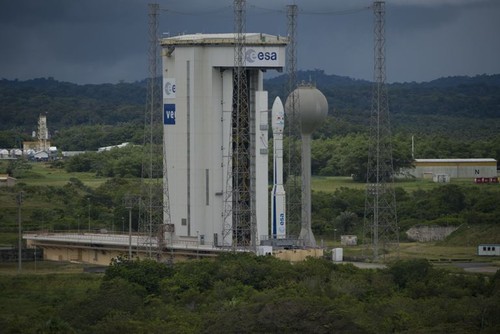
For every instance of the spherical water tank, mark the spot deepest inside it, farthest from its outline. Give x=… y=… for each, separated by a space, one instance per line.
x=311 y=105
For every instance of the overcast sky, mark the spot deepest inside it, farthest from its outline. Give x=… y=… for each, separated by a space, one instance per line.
x=104 y=41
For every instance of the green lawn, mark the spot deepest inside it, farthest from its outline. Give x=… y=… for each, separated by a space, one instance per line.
x=45 y=175
x=331 y=183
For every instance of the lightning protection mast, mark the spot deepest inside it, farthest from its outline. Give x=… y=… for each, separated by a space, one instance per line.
x=380 y=200
x=154 y=182
x=293 y=130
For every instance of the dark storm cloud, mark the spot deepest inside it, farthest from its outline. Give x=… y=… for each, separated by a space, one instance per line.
x=81 y=41
x=95 y=41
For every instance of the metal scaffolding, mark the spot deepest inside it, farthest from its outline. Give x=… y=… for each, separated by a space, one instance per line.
x=239 y=205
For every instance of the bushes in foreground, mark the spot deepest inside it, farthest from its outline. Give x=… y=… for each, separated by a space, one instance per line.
x=242 y=293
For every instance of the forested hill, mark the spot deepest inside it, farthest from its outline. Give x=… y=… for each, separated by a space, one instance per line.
x=462 y=96
x=451 y=100
x=68 y=104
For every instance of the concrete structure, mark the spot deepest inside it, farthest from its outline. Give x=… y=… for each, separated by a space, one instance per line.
x=7 y=181
x=455 y=168
x=430 y=233
x=297 y=255
x=198 y=88
x=100 y=248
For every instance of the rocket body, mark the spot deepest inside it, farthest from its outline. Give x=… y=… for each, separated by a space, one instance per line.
x=278 y=208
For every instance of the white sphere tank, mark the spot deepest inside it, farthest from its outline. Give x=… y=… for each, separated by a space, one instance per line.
x=311 y=105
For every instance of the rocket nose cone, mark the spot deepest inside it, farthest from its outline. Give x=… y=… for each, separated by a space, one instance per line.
x=277 y=105
x=278 y=116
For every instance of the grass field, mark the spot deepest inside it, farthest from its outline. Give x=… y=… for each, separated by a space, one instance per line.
x=329 y=184
x=45 y=175
x=41 y=267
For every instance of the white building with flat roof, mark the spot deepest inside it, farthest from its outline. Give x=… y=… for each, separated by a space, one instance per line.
x=455 y=168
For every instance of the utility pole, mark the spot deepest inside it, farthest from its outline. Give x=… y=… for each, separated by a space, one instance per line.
x=20 y=198
x=88 y=215
x=129 y=202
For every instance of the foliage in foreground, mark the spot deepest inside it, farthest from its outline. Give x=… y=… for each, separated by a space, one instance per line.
x=242 y=293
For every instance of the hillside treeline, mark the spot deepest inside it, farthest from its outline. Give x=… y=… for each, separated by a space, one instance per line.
x=242 y=293
x=456 y=108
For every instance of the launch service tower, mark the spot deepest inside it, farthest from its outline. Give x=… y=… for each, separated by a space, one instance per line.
x=198 y=117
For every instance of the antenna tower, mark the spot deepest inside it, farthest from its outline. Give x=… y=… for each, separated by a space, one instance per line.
x=380 y=200
x=240 y=210
x=154 y=191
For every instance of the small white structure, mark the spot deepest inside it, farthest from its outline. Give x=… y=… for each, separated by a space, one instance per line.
x=41 y=155
x=264 y=250
x=337 y=254
x=441 y=178
x=488 y=250
x=348 y=240
x=4 y=153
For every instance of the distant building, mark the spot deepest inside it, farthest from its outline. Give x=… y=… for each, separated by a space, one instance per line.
x=7 y=181
x=444 y=169
x=108 y=148
x=488 y=250
x=4 y=153
x=348 y=240
x=69 y=154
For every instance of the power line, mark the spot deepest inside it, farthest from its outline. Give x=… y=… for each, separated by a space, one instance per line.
x=226 y=11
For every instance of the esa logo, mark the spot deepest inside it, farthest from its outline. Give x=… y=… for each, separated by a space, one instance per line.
x=169 y=88
x=251 y=56
x=282 y=219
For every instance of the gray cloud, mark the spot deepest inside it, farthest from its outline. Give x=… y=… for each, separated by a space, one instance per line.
x=96 y=41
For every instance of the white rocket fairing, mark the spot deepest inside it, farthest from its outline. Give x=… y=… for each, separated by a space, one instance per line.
x=278 y=229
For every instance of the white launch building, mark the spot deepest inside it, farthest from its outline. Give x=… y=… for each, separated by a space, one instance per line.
x=198 y=88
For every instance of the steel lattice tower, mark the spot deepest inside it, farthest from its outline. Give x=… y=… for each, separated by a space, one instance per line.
x=154 y=186
x=293 y=161
x=240 y=202
x=380 y=202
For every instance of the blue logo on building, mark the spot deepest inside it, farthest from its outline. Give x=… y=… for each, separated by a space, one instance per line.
x=169 y=114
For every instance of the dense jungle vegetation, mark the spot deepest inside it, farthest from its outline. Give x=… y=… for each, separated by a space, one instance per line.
x=242 y=293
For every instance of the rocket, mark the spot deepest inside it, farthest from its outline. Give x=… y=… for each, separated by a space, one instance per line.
x=278 y=212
